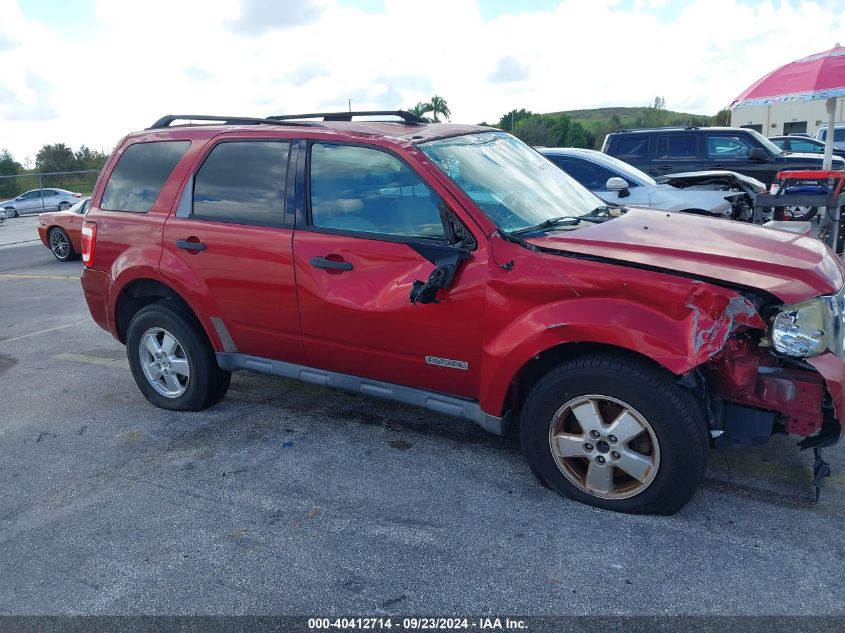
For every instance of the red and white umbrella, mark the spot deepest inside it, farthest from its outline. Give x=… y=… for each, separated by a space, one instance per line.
x=819 y=76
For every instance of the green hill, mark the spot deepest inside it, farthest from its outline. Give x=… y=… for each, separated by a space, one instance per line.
x=631 y=116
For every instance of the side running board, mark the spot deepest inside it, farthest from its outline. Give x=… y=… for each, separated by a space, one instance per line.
x=455 y=407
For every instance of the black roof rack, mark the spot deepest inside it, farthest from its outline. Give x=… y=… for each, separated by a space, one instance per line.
x=665 y=127
x=284 y=119
x=407 y=117
x=166 y=121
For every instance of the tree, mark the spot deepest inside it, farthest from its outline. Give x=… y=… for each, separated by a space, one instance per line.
x=722 y=117
x=57 y=157
x=421 y=109
x=8 y=165
x=508 y=121
x=87 y=158
x=439 y=106
x=536 y=130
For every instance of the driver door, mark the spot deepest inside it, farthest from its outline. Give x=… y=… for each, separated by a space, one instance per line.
x=369 y=228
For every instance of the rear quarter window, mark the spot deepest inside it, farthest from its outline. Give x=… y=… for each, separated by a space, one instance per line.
x=140 y=174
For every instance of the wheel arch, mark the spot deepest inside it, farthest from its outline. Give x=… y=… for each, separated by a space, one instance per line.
x=142 y=292
x=676 y=331
x=540 y=364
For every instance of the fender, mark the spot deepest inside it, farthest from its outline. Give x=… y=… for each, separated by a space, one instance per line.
x=179 y=278
x=693 y=326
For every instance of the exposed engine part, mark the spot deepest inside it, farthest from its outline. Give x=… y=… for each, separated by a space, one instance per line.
x=746 y=375
x=744 y=188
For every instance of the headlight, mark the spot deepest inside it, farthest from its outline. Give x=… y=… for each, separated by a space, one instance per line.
x=810 y=328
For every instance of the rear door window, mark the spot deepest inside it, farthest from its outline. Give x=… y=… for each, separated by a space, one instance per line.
x=140 y=174
x=677 y=146
x=632 y=146
x=367 y=190
x=243 y=182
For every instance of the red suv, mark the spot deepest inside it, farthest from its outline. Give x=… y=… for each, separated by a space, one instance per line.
x=455 y=268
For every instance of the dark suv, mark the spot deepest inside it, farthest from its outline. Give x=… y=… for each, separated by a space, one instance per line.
x=454 y=268
x=661 y=151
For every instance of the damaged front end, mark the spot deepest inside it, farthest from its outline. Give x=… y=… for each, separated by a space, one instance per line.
x=778 y=370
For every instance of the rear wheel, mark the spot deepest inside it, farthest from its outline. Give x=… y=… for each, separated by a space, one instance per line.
x=615 y=433
x=172 y=361
x=60 y=245
x=64 y=205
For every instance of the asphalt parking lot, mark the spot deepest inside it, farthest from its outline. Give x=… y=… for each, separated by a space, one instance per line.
x=289 y=498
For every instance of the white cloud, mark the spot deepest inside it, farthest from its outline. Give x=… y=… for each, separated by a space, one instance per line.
x=146 y=59
x=509 y=69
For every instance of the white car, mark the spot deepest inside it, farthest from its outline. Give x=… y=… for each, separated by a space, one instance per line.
x=838 y=135
x=719 y=193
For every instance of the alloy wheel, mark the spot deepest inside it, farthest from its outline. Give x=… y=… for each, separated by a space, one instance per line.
x=59 y=244
x=164 y=362
x=604 y=446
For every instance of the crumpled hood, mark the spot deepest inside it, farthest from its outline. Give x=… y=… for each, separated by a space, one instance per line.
x=789 y=266
x=713 y=175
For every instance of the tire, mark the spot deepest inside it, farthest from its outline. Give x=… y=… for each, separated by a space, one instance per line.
x=60 y=245
x=64 y=206
x=155 y=325
x=668 y=454
x=802 y=214
x=11 y=213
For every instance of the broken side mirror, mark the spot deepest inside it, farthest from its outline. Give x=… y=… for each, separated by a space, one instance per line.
x=446 y=260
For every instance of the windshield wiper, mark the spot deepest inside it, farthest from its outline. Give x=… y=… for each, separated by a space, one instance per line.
x=563 y=220
x=602 y=213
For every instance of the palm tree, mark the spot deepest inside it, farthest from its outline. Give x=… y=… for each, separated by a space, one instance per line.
x=421 y=109
x=438 y=105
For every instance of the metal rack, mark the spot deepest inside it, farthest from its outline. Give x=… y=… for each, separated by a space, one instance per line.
x=830 y=204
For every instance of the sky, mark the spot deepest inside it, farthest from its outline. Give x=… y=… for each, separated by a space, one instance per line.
x=87 y=72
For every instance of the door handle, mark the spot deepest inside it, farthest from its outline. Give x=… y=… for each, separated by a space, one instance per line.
x=322 y=262
x=189 y=245
x=663 y=168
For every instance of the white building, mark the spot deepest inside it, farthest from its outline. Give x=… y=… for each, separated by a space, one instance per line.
x=786 y=117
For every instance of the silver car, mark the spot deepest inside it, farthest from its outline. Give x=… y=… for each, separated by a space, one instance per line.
x=39 y=201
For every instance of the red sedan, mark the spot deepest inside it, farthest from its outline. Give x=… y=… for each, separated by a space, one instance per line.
x=61 y=231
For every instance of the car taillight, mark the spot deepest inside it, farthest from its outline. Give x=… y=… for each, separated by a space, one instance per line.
x=89 y=235
x=76 y=195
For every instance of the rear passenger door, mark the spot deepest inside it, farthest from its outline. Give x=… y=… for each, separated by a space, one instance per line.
x=675 y=153
x=370 y=226
x=230 y=243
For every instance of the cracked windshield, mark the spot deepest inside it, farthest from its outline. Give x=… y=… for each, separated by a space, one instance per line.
x=514 y=185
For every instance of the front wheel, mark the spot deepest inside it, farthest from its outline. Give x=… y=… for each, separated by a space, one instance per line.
x=172 y=361
x=616 y=433
x=11 y=212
